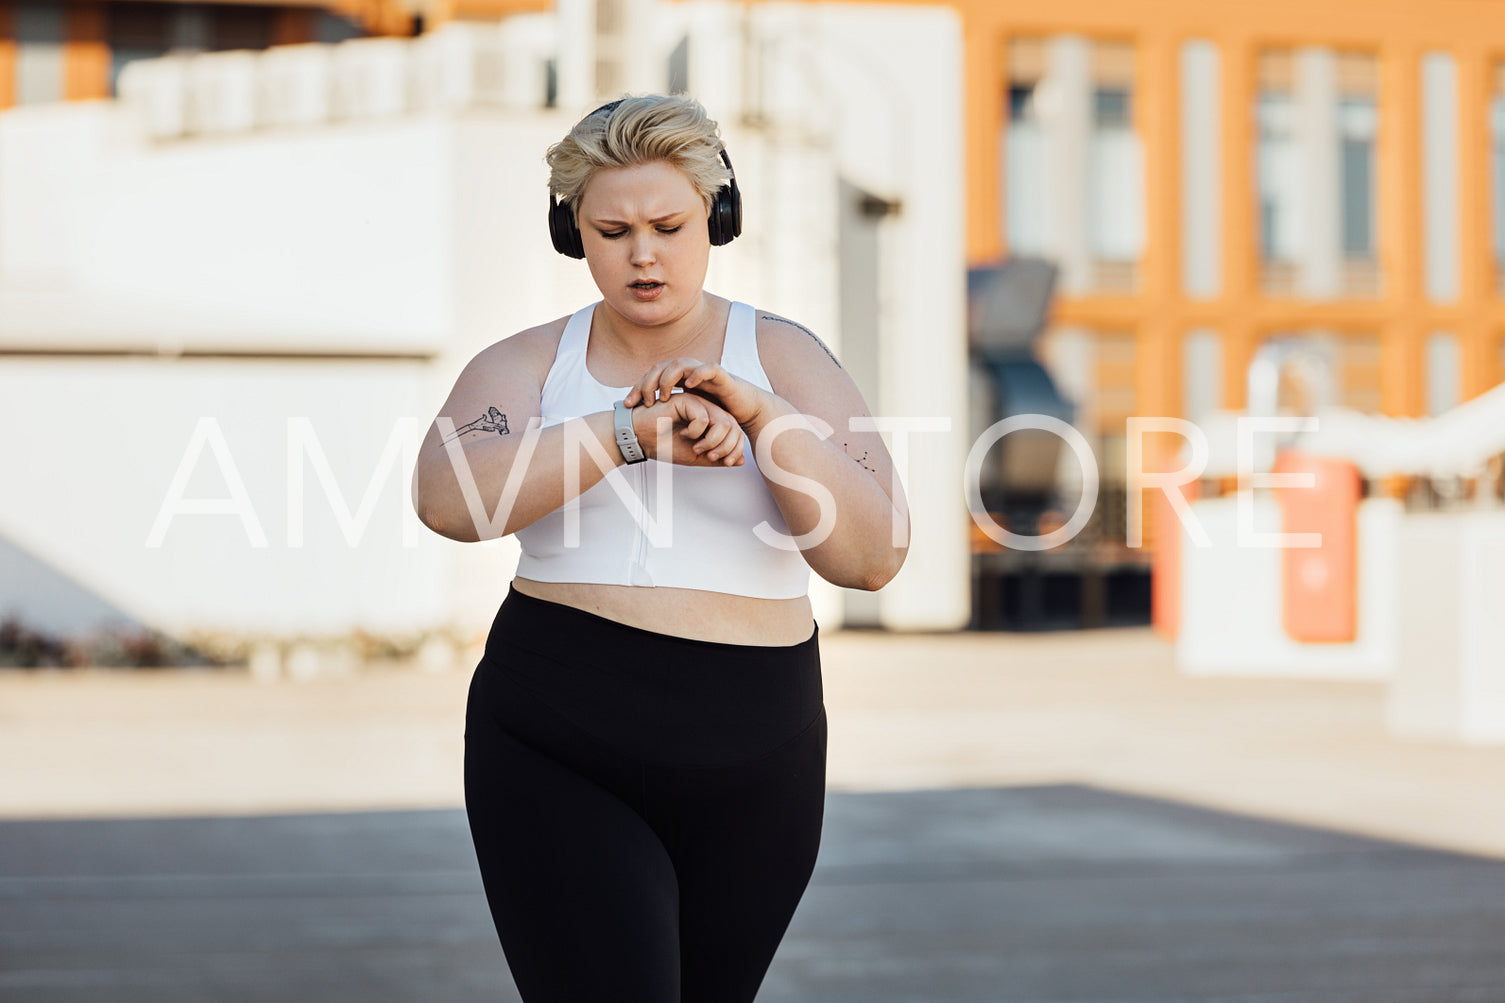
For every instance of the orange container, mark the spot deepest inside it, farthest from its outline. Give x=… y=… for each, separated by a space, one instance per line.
x=1165 y=561
x=1319 y=585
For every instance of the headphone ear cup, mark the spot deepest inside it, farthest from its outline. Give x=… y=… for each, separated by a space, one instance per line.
x=563 y=231
x=726 y=210
x=562 y=228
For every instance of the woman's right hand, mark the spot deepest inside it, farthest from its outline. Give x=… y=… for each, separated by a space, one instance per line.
x=703 y=434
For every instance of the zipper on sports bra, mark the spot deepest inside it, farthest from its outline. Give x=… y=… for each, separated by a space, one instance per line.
x=640 y=558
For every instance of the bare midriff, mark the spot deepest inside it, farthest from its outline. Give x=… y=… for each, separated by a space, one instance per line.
x=693 y=613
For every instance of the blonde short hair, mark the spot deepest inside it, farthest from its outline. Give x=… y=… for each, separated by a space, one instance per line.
x=639 y=130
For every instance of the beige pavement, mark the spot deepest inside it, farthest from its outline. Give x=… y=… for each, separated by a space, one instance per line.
x=1104 y=708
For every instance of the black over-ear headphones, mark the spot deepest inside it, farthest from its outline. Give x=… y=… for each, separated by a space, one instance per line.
x=724 y=222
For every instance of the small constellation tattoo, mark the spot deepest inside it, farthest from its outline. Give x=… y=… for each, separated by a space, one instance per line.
x=830 y=354
x=861 y=460
x=492 y=421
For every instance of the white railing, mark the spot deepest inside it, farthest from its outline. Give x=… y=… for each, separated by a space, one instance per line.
x=453 y=68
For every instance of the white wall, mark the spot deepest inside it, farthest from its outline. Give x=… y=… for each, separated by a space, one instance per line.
x=1231 y=598
x=413 y=234
x=884 y=83
x=353 y=238
x=1450 y=683
x=92 y=450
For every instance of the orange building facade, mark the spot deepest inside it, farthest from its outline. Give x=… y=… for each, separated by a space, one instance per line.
x=1426 y=77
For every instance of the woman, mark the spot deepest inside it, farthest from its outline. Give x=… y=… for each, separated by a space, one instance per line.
x=645 y=735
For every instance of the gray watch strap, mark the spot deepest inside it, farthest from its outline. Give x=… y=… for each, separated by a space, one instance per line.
x=627 y=439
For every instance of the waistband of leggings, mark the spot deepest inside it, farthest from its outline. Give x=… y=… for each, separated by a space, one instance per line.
x=535 y=616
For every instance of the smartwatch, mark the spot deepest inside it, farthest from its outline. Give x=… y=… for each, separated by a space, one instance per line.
x=627 y=439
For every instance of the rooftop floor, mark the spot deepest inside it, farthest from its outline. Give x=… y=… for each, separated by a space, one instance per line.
x=1011 y=818
x=1104 y=708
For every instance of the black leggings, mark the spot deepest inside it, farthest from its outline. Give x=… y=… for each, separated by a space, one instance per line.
x=646 y=809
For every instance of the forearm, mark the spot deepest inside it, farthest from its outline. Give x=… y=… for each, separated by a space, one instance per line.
x=513 y=480
x=851 y=533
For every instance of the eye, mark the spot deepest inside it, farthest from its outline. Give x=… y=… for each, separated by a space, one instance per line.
x=613 y=235
x=671 y=229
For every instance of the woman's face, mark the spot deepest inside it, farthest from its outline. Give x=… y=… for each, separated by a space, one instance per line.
x=644 y=232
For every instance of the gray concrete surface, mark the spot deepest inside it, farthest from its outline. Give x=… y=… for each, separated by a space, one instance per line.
x=1012 y=819
x=995 y=895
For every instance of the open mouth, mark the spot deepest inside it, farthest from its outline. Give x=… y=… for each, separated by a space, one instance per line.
x=646 y=284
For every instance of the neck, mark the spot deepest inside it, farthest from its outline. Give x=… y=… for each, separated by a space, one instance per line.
x=661 y=341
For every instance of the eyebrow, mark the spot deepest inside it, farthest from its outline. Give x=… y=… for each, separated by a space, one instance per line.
x=657 y=219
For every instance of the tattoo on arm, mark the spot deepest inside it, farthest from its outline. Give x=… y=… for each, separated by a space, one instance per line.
x=861 y=460
x=802 y=327
x=492 y=421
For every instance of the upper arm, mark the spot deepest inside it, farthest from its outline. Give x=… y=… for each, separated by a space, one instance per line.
x=805 y=372
x=498 y=391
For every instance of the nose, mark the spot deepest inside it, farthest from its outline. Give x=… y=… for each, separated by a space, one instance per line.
x=642 y=247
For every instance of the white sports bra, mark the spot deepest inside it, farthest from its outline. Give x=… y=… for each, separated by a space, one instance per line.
x=655 y=523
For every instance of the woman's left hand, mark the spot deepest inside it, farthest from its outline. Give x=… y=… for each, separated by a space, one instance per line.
x=737 y=397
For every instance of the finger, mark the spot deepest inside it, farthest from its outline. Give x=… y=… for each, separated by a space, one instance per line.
x=667 y=380
x=730 y=452
x=726 y=444
x=673 y=374
x=664 y=377
x=659 y=382
x=640 y=390
x=708 y=373
x=699 y=418
x=713 y=437
x=633 y=395
x=735 y=457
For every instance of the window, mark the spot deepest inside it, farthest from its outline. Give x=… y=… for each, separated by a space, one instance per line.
x=1278 y=172
x=1026 y=187
x=1072 y=165
x=1356 y=127
x=1317 y=117
x=1022 y=102
x=1110 y=107
x=1115 y=175
x=1114 y=191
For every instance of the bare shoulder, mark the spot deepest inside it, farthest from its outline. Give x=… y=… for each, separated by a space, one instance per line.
x=792 y=347
x=803 y=370
x=507 y=376
x=530 y=351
